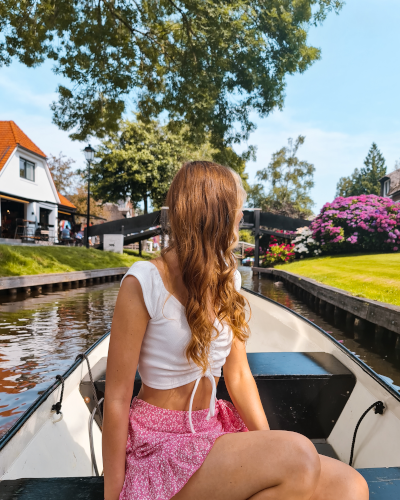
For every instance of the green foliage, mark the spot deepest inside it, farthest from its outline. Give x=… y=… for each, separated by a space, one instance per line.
x=290 y=181
x=246 y=235
x=21 y=260
x=365 y=180
x=140 y=162
x=208 y=64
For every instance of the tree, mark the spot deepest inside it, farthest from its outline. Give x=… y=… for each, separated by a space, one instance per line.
x=365 y=180
x=290 y=181
x=349 y=186
x=79 y=199
x=61 y=171
x=207 y=64
x=140 y=162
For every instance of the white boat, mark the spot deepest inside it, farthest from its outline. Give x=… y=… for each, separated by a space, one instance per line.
x=308 y=383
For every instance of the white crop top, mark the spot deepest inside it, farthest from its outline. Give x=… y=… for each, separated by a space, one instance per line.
x=162 y=360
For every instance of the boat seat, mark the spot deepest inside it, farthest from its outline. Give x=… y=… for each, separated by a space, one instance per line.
x=301 y=392
x=60 y=488
x=384 y=484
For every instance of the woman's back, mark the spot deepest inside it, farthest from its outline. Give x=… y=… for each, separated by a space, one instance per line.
x=180 y=318
x=168 y=376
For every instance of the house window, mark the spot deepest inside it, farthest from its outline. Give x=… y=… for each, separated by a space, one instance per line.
x=27 y=169
x=386 y=187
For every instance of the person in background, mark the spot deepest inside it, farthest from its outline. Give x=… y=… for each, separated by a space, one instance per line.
x=66 y=236
x=79 y=238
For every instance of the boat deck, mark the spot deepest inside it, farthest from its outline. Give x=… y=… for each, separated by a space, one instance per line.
x=384 y=484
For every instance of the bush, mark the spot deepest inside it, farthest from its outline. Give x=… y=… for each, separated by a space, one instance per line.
x=277 y=254
x=246 y=235
x=353 y=224
x=249 y=251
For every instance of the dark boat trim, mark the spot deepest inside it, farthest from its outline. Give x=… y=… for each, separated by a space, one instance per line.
x=354 y=358
x=42 y=398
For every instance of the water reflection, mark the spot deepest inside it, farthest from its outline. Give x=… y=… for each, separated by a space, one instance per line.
x=381 y=356
x=41 y=336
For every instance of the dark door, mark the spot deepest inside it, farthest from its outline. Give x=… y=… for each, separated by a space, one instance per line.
x=11 y=211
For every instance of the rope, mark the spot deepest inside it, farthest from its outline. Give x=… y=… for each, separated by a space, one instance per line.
x=94 y=461
x=96 y=401
x=57 y=407
x=379 y=407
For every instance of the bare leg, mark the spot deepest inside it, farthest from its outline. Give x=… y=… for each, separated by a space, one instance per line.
x=267 y=465
x=271 y=465
x=339 y=481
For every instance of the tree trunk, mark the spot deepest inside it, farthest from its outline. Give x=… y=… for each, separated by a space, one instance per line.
x=145 y=203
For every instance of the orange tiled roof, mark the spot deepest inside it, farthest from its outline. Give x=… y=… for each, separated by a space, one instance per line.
x=64 y=201
x=10 y=136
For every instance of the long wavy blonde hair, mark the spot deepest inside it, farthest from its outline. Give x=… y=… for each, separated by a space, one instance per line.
x=204 y=200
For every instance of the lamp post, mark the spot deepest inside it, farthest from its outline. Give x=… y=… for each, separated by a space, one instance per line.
x=89 y=155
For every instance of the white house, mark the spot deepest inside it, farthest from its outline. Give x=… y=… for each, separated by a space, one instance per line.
x=29 y=201
x=390 y=185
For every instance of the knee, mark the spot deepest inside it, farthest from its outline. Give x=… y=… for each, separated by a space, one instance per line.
x=305 y=465
x=358 y=486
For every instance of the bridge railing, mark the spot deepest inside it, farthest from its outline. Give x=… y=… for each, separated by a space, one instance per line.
x=241 y=247
x=142 y=227
x=254 y=219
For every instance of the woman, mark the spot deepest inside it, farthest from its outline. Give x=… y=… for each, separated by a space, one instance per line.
x=179 y=318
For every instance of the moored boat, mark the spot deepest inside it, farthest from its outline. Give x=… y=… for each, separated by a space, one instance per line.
x=308 y=383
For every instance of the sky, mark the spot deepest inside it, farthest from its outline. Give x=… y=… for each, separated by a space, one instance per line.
x=344 y=102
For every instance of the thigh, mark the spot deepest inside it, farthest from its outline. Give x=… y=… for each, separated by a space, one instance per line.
x=243 y=464
x=339 y=481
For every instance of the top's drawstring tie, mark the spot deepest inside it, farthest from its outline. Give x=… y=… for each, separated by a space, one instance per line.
x=211 y=411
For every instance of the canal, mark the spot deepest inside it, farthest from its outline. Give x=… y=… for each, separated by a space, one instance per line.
x=41 y=336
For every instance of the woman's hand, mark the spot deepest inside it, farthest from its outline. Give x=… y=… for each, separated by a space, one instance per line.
x=242 y=388
x=127 y=332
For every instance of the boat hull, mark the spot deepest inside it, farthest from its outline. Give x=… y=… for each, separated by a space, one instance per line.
x=42 y=445
x=47 y=446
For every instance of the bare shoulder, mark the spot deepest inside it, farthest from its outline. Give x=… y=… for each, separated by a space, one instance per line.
x=130 y=297
x=129 y=286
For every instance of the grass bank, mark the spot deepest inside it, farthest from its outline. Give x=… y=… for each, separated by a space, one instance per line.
x=24 y=260
x=374 y=276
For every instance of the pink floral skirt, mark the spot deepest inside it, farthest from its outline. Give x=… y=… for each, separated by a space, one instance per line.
x=161 y=452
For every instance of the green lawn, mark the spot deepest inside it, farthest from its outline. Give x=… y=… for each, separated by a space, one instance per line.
x=375 y=276
x=23 y=260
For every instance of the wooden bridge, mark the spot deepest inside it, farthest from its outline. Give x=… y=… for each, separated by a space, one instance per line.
x=143 y=227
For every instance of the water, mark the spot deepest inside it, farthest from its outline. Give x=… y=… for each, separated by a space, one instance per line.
x=42 y=335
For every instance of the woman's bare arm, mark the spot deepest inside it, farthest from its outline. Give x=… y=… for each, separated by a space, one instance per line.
x=127 y=331
x=242 y=388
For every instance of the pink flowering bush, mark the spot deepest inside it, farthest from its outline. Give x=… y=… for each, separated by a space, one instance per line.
x=249 y=252
x=277 y=254
x=357 y=223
